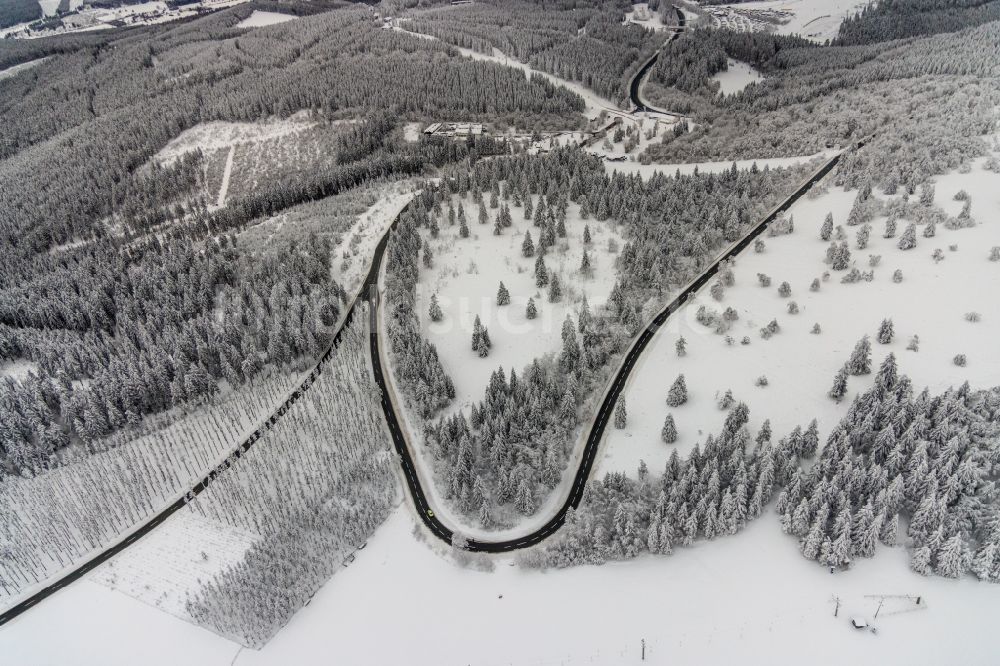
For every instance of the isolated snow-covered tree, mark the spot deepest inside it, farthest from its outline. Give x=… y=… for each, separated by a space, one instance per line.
x=677 y=395
x=681 y=346
x=839 y=389
x=435 y=309
x=428 y=256
x=890 y=228
x=541 y=274
x=463 y=229
x=863 y=235
x=885 y=332
x=669 y=432
x=528 y=246
x=784 y=290
x=860 y=362
x=585 y=268
x=908 y=240
x=586 y=232
x=620 y=415
x=503 y=296
x=555 y=289
x=484 y=343
x=826 y=231
x=531 y=311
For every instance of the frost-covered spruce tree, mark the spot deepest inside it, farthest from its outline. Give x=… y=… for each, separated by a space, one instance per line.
x=784 y=290
x=927 y=194
x=485 y=343
x=860 y=362
x=584 y=317
x=555 y=289
x=681 y=346
x=463 y=229
x=810 y=440
x=890 y=228
x=864 y=233
x=678 y=394
x=483 y=215
x=497 y=227
x=839 y=389
x=585 y=267
x=908 y=240
x=885 y=332
x=428 y=256
x=930 y=229
x=586 y=233
x=839 y=256
x=826 y=231
x=528 y=246
x=529 y=209
x=620 y=415
x=503 y=296
x=669 y=432
x=541 y=274
x=531 y=311
x=477 y=334
x=435 y=310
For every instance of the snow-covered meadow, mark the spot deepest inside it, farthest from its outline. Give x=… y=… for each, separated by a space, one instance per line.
x=260 y=19
x=931 y=302
x=466 y=276
x=750 y=598
x=737 y=77
x=817 y=20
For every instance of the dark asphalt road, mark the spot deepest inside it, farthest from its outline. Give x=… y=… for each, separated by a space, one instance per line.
x=607 y=404
x=156 y=520
x=636 y=83
x=370 y=288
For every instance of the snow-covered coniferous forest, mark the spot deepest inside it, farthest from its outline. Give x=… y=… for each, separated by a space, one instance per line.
x=326 y=327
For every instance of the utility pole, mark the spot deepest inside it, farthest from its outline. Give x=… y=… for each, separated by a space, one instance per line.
x=644 y=649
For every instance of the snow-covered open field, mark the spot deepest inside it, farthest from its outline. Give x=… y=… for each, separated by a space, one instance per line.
x=750 y=598
x=259 y=19
x=466 y=276
x=218 y=135
x=818 y=20
x=931 y=302
x=737 y=77
x=175 y=560
x=642 y=15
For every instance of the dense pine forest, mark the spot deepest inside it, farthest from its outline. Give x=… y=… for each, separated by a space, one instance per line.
x=119 y=268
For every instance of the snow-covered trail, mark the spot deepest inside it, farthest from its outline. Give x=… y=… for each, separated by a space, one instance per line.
x=226 y=174
x=593 y=103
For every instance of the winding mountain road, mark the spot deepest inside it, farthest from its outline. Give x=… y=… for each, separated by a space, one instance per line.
x=603 y=415
x=635 y=86
x=369 y=291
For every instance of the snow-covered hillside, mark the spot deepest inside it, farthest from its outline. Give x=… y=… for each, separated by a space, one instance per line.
x=931 y=302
